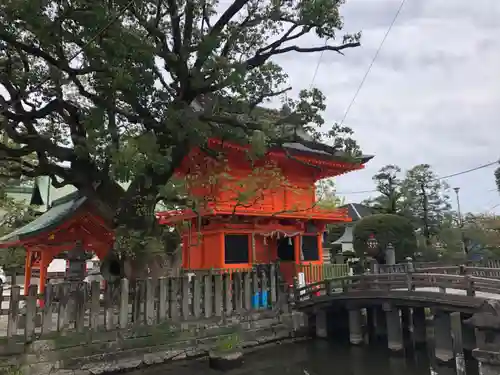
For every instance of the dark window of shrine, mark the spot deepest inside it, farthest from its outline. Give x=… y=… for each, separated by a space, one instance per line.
x=310 y=251
x=236 y=249
x=285 y=249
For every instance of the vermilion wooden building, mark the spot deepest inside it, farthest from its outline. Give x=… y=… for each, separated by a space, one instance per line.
x=71 y=224
x=281 y=222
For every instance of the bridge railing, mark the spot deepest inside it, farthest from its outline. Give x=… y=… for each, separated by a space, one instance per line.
x=480 y=271
x=410 y=282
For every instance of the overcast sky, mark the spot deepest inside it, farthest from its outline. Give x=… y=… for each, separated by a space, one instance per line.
x=433 y=94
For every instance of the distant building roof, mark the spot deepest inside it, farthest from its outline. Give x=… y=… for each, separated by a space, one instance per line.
x=357 y=211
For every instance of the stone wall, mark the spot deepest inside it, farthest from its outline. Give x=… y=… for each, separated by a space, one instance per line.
x=106 y=352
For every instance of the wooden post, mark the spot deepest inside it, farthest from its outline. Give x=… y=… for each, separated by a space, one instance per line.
x=208 y=295
x=95 y=305
x=470 y=286
x=80 y=305
x=108 y=308
x=124 y=294
x=29 y=327
x=355 y=326
x=196 y=296
x=237 y=292
x=218 y=290
x=456 y=334
x=48 y=309
x=139 y=293
x=265 y=292
x=409 y=281
x=15 y=296
x=62 y=313
x=274 y=289
x=185 y=298
x=173 y=301
x=247 y=291
x=162 y=305
x=255 y=287
x=149 y=303
x=27 y=272
x=226 y=282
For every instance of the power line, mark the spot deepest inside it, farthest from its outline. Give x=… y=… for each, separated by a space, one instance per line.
x=373 y=61
x=434 y=179
x=468 y=170
x=75 y=55
x=317 y=66
x=495 y=206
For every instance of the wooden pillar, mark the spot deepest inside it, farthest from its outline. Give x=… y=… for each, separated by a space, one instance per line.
x=394 y=333
x=321 y=324
x=442 y=336
x=44 y=264
x=296 y=249
x=380 y=323
x=419 y=326
x=355 y=327
x=320 y=247
x=406 y=319
x=457 y=339
x=27 y=272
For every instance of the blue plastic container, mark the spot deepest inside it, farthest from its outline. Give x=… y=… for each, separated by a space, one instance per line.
x=264 y=301
x=256 y=300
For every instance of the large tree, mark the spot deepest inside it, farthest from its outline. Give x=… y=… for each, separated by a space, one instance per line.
x=497 y=178
x=103 y=92
x=425 y=200
x=388 y=183
x=419 y=195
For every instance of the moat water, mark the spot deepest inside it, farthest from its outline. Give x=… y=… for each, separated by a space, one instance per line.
x=320 y=357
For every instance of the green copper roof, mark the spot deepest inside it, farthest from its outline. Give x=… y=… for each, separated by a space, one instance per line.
x=45 y=222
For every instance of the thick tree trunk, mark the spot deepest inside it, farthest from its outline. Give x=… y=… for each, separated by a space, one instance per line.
x=138 y=245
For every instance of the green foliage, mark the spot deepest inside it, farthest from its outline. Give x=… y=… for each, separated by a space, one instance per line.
x=325 y=195
x=429 y=212
x=386 y=228
x=110 y=91
x=497 y=178
x=405 y=196
x=12 y=370
x=15 y=214
x=228 y=343
x=389 y=186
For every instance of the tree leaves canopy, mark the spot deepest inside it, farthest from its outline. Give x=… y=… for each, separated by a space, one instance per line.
x=405 y=196
x=122 y=90
x=107 y=88
x=387 y=229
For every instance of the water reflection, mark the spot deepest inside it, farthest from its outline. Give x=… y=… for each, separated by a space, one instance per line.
x=319 y=357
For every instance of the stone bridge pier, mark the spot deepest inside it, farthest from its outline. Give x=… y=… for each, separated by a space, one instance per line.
x=395 y=325
x=487 y=328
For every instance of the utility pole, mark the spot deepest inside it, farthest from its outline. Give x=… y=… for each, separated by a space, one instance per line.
x=425 y=207
x=460 y=220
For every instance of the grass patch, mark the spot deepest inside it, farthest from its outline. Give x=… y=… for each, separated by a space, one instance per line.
x=228 y=344
x=13 y=370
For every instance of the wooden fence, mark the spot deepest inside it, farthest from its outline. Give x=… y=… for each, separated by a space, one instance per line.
x=316 y=272
x=81 y=307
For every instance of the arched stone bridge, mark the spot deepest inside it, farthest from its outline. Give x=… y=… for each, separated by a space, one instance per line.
x=462 y=310
x=449 y=291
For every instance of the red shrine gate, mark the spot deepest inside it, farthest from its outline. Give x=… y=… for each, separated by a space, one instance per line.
x=70 y=223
